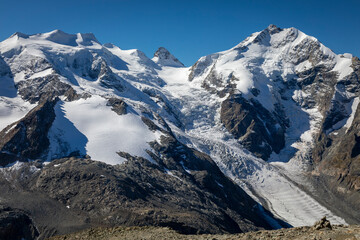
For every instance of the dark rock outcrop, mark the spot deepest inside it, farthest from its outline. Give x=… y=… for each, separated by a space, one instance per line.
x=322 y=224
x=214 y=84
x=256 y=128
x=118 y=105
x=40 y=89
x=165 y=58
x=16 y=225
x=27 y=138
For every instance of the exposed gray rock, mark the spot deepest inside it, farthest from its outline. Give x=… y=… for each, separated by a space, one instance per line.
x=214 y=84
x=199 y=67
x=118 y=105
x=256 y=128
x=309 y=49
x=336 y=156
x=38 y=89
x=33 y=65
x=322 y=223
x=163 y=57
x=27 y=138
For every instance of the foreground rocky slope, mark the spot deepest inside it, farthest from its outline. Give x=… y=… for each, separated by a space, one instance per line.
x=77 y=193
x=299 y=233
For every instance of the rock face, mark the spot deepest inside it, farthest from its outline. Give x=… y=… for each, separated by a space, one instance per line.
x=255 y=127
x=164 y=58
x=27 y=138
x=117 y=105
x=336 y=154
x=39 y=89
x=16 y=225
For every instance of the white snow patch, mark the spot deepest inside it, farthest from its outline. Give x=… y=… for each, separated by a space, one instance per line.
x=168 y=172
x=13 y=166
x=12 y=110
x=305 y=65
x=354 y=107
x=343 y=66
x=12 y=127
x=185 y=168
x=42 y=73
x=219 y=184
x=108 y=133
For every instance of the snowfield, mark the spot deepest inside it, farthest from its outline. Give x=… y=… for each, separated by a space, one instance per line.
x=12 y=110
x=91 y=127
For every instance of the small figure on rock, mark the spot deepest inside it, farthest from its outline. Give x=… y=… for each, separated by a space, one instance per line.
x=323 y=223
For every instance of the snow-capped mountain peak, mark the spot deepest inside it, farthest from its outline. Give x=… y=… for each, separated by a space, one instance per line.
x=57 y=37
x=273 y=28
x=60 y=37
x=164 y=58
x=19 y=35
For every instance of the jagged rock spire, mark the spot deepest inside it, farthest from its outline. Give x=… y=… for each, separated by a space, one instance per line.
x=164 y=58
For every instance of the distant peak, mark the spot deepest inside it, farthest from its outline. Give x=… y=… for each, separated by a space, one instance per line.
x=263 y=37
x=109 y=45
x=88 y=37
x=163 y=57
x=57 y=31
x=273 y=29
x=162 y=52
x=60 y=37
x=19 y=35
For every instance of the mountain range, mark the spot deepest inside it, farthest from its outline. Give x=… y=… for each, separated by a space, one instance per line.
x=264 y=135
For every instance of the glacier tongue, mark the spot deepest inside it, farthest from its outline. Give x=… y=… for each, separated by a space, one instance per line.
x=265 y=182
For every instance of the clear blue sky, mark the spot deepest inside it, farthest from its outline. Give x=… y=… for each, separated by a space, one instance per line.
x=189 y=29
